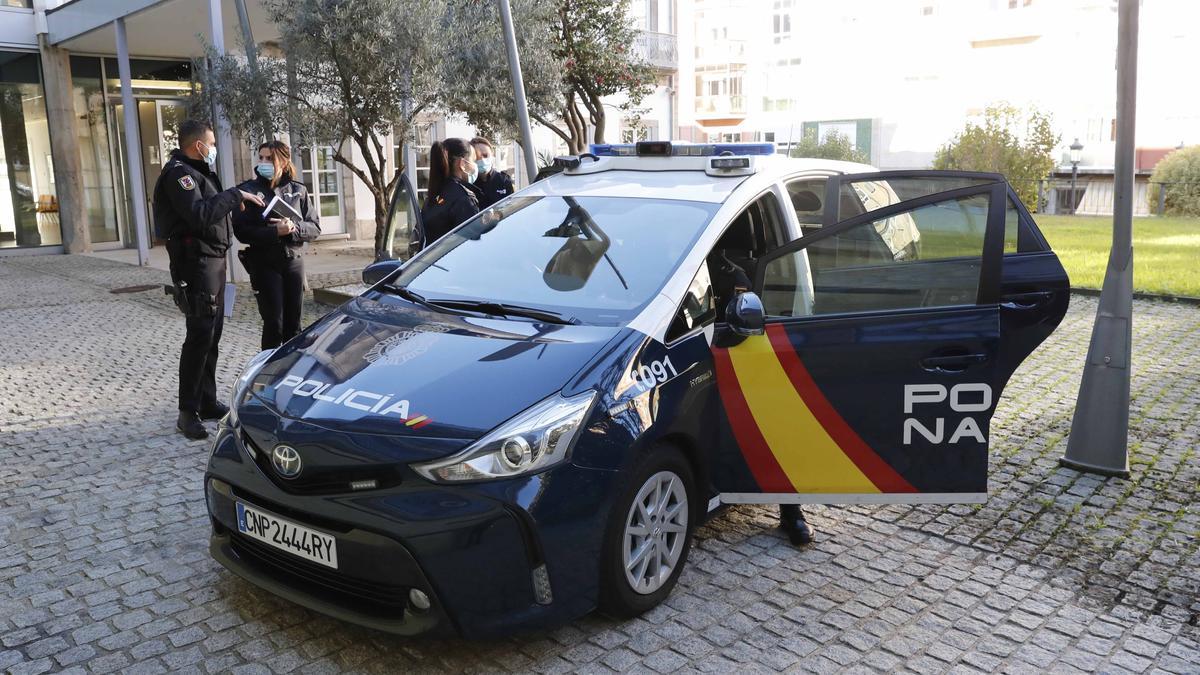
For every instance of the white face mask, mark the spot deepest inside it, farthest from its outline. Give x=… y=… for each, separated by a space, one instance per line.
x=265 y=169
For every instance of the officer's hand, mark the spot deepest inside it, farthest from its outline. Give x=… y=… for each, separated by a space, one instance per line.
x=252 y=198
x=283 y=226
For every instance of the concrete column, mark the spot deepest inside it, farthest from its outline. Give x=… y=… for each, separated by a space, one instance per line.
x=224 y=134
x=133 y=147
x=64 y=147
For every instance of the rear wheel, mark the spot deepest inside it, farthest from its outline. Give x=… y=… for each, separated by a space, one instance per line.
x=648 y=536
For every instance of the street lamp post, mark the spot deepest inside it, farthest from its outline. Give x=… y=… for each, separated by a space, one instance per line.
x=1076 y=154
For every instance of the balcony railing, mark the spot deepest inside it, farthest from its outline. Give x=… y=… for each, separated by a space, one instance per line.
x=658 y=49
x=720 y=104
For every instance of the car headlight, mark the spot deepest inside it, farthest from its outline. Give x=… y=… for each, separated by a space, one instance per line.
x=533 y=441
x=242 y=385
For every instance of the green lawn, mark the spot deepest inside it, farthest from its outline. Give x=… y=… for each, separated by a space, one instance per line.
x=1166 y=251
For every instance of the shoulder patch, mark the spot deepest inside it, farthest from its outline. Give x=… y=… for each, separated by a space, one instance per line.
x=187 y=183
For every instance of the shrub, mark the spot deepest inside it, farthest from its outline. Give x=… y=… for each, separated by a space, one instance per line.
x=1182 y=169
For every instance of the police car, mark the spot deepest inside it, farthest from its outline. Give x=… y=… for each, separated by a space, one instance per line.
x=527 y=420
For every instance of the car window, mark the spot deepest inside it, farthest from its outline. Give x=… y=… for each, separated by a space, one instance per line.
x=597 y=259
x=733 y=262
x=865 y=195
x=699 y=307
x=929 y=256
x=808 y=196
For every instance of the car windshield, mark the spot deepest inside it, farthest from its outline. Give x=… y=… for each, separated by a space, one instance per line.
x=596 y=260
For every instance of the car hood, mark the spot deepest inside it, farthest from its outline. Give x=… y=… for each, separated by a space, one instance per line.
x=379 y=365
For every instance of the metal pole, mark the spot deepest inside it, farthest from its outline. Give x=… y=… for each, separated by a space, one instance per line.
x=1099 y=441
x=223 y=132
x=133 y=146
x=294 y=136
x=252 y=60
x=1074 y=175
x=518 y=84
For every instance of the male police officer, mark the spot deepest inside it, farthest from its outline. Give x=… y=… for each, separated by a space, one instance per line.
x=495 y=185
x=192 y=213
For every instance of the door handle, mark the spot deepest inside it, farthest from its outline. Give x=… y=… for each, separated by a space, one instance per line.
x=1027 y=300
x=952 y=362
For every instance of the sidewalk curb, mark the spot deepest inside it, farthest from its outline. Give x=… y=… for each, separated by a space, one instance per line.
x=1138 y=295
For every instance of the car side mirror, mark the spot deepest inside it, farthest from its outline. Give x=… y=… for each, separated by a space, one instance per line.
x=745 y=315
x=377 y=271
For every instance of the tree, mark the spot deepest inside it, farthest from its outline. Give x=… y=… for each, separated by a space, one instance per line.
x=835 y=145
x=574 y=53
x=362 y=69
x=1017 y=144
x=482 y=89
x=1182 y=170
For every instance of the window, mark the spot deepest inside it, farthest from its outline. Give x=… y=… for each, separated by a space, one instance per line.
x=755 y=231
x=28 y=195
x=808 y=195
x=929 y=256
x=597 y=259
x=699 y=306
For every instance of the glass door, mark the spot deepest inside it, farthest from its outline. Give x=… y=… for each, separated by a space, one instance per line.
x=158 y=135
x=326 y=189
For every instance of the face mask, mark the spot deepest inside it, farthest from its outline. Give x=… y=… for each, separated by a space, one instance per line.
x=265 y=169
x=473 y=174
x=484 y=164
x=211 y=158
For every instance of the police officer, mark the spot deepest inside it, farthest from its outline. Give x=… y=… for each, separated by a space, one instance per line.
x=493 y=185
x=273 y=259
x=192 y=213
x=452 y=197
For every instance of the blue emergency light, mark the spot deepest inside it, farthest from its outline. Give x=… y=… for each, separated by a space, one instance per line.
x=670 y=149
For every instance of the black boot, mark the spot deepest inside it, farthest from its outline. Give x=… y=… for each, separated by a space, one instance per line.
x=213 y=411
x=791 y=519
x=189 y=425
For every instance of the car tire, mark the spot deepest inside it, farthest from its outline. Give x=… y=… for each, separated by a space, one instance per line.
x=646 y=545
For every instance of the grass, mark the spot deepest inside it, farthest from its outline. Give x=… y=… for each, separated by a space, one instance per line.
x=1166 y=251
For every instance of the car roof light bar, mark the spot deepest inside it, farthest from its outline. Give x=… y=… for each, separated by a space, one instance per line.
x=670 y=149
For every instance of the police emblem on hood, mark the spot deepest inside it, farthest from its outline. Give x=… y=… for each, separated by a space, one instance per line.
x=405 y=345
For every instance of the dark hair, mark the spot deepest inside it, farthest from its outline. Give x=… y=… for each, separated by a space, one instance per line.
x=480 y=140
x=192 y=130
x=439 y=163
x=281 y=157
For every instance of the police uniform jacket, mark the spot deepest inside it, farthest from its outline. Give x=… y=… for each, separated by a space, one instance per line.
x=496 y=185
x=252 y=229
x=457 y=202
x=190 y=207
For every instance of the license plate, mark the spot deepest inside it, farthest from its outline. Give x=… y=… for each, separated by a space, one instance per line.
x=287 y=536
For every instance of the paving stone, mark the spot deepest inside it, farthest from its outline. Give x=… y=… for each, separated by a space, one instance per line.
x=1058 y=572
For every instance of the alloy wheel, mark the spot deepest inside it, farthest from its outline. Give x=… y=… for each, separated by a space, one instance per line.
x=655 y=532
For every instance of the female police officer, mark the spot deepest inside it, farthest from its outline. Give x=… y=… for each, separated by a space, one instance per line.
x=452 y=196
x=273 y=257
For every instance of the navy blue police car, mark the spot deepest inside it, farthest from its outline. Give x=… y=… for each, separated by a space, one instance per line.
x=527 y=420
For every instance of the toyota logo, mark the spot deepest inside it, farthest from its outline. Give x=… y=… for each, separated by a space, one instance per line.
x=286 y=461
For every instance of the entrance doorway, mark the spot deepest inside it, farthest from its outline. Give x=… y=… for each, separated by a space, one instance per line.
x=158 y=129
x=325 y=187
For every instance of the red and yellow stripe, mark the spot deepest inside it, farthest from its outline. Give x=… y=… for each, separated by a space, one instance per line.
x=791 y=436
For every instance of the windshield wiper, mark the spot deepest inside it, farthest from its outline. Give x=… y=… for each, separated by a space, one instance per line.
x=411 y=296
x=504 y=309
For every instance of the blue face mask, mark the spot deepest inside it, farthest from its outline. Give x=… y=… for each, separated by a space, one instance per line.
x=473 y=173
x=211 y=157
x=484 y=164
x=265 y=169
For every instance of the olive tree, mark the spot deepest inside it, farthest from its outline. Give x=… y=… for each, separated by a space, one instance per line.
x=347 y=73
x=1018 y=144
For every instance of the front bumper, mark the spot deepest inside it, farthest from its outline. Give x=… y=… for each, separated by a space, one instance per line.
x=475 y=551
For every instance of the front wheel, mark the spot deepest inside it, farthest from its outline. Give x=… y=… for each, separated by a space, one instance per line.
x=648 y=536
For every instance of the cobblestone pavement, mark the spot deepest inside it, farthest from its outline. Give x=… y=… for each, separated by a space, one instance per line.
x=104 y=565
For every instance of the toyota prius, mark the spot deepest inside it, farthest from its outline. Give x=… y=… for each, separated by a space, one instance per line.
x=527 y=420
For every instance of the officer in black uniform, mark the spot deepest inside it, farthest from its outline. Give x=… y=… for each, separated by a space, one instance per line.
x=274 y=258
x=493 y=185
x=192 y=213
x=452 y=197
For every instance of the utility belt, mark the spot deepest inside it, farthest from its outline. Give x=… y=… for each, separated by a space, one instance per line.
x=192 y=293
